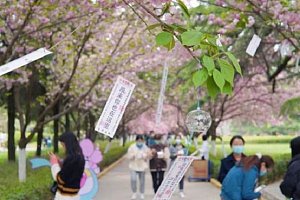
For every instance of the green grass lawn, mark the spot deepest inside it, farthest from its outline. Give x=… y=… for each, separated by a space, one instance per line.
x=264 y=148
x=254 y=139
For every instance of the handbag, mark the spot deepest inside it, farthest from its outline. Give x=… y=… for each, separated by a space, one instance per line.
x=53 y=188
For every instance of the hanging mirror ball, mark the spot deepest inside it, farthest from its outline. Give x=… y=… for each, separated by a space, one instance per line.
x=198 y=121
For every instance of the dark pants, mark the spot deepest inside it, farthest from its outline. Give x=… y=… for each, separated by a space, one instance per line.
x=157 y=179
x=181 y=184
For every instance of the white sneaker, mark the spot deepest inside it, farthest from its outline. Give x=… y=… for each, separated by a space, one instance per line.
x=181 y=194
x=133 y=196
x=142 y=196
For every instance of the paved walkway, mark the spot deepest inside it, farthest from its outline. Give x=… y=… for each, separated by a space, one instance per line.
x=115 y=185
x=272 y=192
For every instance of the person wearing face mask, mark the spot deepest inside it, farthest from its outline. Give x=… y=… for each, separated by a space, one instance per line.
x=237 y=143
x=138 y=155
x=178 y=149
x=290 y=186
x=158 y=162
x=240 y=182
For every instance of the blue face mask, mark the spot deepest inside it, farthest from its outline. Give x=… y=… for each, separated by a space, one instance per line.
x=262 y=173
x=139 y=145
x=178 y=141
x=238 y=149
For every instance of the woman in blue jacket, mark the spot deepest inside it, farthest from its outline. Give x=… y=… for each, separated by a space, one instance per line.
x=240 y=182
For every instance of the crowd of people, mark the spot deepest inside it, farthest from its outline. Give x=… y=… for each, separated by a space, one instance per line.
x=239 y=173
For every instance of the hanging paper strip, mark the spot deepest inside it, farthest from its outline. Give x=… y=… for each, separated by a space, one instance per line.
x=297 y=63
x=24 y=60
x=173 y=177
x=160 y=103
x=253 y=45
x=115 y=107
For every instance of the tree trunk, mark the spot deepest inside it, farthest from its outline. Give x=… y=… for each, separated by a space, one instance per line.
x=39 y=141
x=223 y=149
x=55 y=128
x=108 y=145
x=22 y=164
x=86 y=126
x=124 y=139
x=22 y=157
x=91 y=132
x=78 y=125
x=11 y=113
x=40 y=137
x=212 y=131
x=121 y=141
x=68 y=124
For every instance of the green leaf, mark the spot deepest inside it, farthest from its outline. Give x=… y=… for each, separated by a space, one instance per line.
x=227 y=70
x=191 y=38
x=208 y=63
x=227 y=89
x=180 y=29
x=243 y=21
x=212 y=41
x=184 y=9
x=212 y=88
x=171 y=45
x=153 y=26
x=164 y=38
x=199 y=77
x=234 y=62
x=165 y=9
x=241 y=24
x=219 y=79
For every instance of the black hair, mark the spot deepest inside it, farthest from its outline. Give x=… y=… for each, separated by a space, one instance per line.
x=157 y=137
x=139 y=137
x=236 y=137
x=295 y=146
x=204 y=137
x=71 y=143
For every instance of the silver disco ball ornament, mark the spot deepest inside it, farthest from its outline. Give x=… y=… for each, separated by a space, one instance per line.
x=198 y=121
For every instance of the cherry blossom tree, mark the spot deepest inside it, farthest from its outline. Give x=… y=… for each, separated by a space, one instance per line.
x=36 y=27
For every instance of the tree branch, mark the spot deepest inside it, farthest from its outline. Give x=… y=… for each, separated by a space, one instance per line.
x=19 y=110
x=8 y=51
x=166 y=25
x=81 y=97
x=280 y=68
x=67 y=83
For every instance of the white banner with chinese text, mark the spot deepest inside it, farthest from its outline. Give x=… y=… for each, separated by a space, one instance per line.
x=173 y=177
x=115 y=107
x=160 y=103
